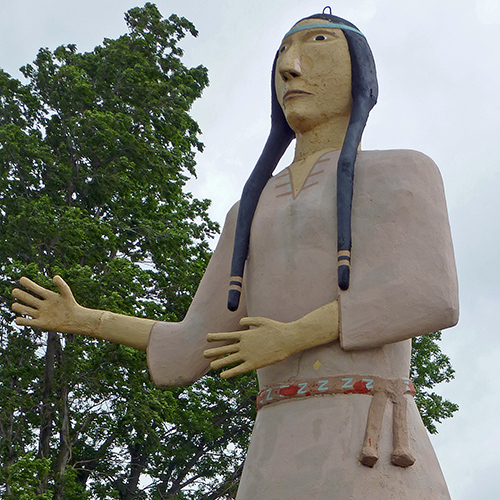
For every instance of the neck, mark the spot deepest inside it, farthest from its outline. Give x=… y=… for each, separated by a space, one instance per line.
x=326 y=136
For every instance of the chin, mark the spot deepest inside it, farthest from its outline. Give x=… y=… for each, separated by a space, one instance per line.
x=301 y=122
x=300 y=117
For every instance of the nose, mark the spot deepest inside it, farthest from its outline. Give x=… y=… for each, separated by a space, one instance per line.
x=289 y=66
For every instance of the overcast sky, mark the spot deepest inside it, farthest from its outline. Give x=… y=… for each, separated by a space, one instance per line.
x=439 y=69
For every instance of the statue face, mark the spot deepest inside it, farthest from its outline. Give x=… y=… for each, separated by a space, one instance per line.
x=313 y=77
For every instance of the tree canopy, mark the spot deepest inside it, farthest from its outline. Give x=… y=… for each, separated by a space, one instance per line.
x=95 y=151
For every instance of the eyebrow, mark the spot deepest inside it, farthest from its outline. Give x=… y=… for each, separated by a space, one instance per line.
x=323 y=25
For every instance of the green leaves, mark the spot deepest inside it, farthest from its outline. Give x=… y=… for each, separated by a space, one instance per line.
x=23 y=478
x=95 y=151
x=429 y=367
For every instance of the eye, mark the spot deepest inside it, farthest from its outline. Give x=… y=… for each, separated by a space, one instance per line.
x=282 y=49
x=319 y=38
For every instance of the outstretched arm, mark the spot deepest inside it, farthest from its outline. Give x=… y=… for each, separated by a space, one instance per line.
x=42 y=308
x=271 y=341
x=175 y=349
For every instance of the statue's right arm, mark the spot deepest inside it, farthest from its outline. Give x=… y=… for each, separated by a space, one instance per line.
x=175 y=350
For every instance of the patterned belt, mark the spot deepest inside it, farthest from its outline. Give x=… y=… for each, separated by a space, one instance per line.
x=380 y=389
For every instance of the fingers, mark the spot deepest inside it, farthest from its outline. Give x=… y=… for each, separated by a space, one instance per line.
x=221 y=351
x=237 y=370
x=231 y=336
x=63 y=287
x=33 y=287
x=24 y=321
x=228 y=360
x=25 y=310
x=26 y=297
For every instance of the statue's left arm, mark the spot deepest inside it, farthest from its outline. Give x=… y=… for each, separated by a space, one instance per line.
x=403 y=279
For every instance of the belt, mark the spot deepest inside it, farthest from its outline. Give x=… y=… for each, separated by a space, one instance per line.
x=380 y=389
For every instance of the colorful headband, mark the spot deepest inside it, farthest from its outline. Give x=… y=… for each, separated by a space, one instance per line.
x=322 y=25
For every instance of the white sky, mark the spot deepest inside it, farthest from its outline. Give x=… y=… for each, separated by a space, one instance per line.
x=439 y=68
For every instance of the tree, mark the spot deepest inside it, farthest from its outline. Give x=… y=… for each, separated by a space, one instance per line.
x=429 y=367
x=95 y=150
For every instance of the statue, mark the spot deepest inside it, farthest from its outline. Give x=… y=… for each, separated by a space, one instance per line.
x=330 y=340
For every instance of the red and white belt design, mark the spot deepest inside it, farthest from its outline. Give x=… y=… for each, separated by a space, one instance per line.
x=381 y=390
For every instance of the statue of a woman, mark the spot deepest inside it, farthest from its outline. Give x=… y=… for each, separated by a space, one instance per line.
x=339 y=276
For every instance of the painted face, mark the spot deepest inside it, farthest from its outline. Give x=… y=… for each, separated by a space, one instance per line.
x=313 y=76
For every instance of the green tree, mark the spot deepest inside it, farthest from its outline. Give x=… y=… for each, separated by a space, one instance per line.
x=429 y=367
x=95 y=151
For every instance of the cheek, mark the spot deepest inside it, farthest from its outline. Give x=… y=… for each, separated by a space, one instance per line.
x=343 y=69
x=334 y=92
x=279 y=87
x=335 y=79
x=309 y=64
x=323 y=71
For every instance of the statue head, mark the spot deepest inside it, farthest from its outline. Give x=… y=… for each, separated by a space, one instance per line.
x=363 y=90
x=312 y=78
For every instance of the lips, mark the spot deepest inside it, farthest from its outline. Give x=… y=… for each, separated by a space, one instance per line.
x=289 y=94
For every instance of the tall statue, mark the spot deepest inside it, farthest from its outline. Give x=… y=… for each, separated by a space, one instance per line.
x=347 y=255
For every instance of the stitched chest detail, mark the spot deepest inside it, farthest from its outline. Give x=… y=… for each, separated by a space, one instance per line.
x=285 y=186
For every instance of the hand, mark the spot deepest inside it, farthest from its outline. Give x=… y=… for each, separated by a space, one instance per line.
x=45 y=309
x=272 y=341
x=267 y=343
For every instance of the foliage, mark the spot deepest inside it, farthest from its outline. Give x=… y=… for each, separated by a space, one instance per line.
x=429 y=367
x=95 y=151
x=23 y=477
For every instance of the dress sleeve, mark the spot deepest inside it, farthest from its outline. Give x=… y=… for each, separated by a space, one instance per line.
x=175 y=350
x=403 y=277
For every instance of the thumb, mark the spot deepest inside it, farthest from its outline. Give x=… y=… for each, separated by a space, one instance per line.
x=63 y=287
x=255 y=321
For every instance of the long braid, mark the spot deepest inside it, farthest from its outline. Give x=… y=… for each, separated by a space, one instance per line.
x=278 y=141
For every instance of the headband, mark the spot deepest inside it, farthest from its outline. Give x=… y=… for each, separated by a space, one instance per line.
x=322 y=25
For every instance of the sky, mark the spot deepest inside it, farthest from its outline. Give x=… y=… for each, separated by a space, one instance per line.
x=438 y=65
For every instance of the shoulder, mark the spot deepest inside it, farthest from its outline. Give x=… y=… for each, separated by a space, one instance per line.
x=232 y=214
x=409 y=179
x=230 y=221
x=400 y=163
x=397 y=158
x=392 y=160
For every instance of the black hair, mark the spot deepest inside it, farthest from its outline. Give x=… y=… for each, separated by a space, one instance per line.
x=364 y=97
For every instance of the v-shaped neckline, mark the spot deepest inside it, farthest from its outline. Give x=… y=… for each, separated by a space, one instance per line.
x=293 y=191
